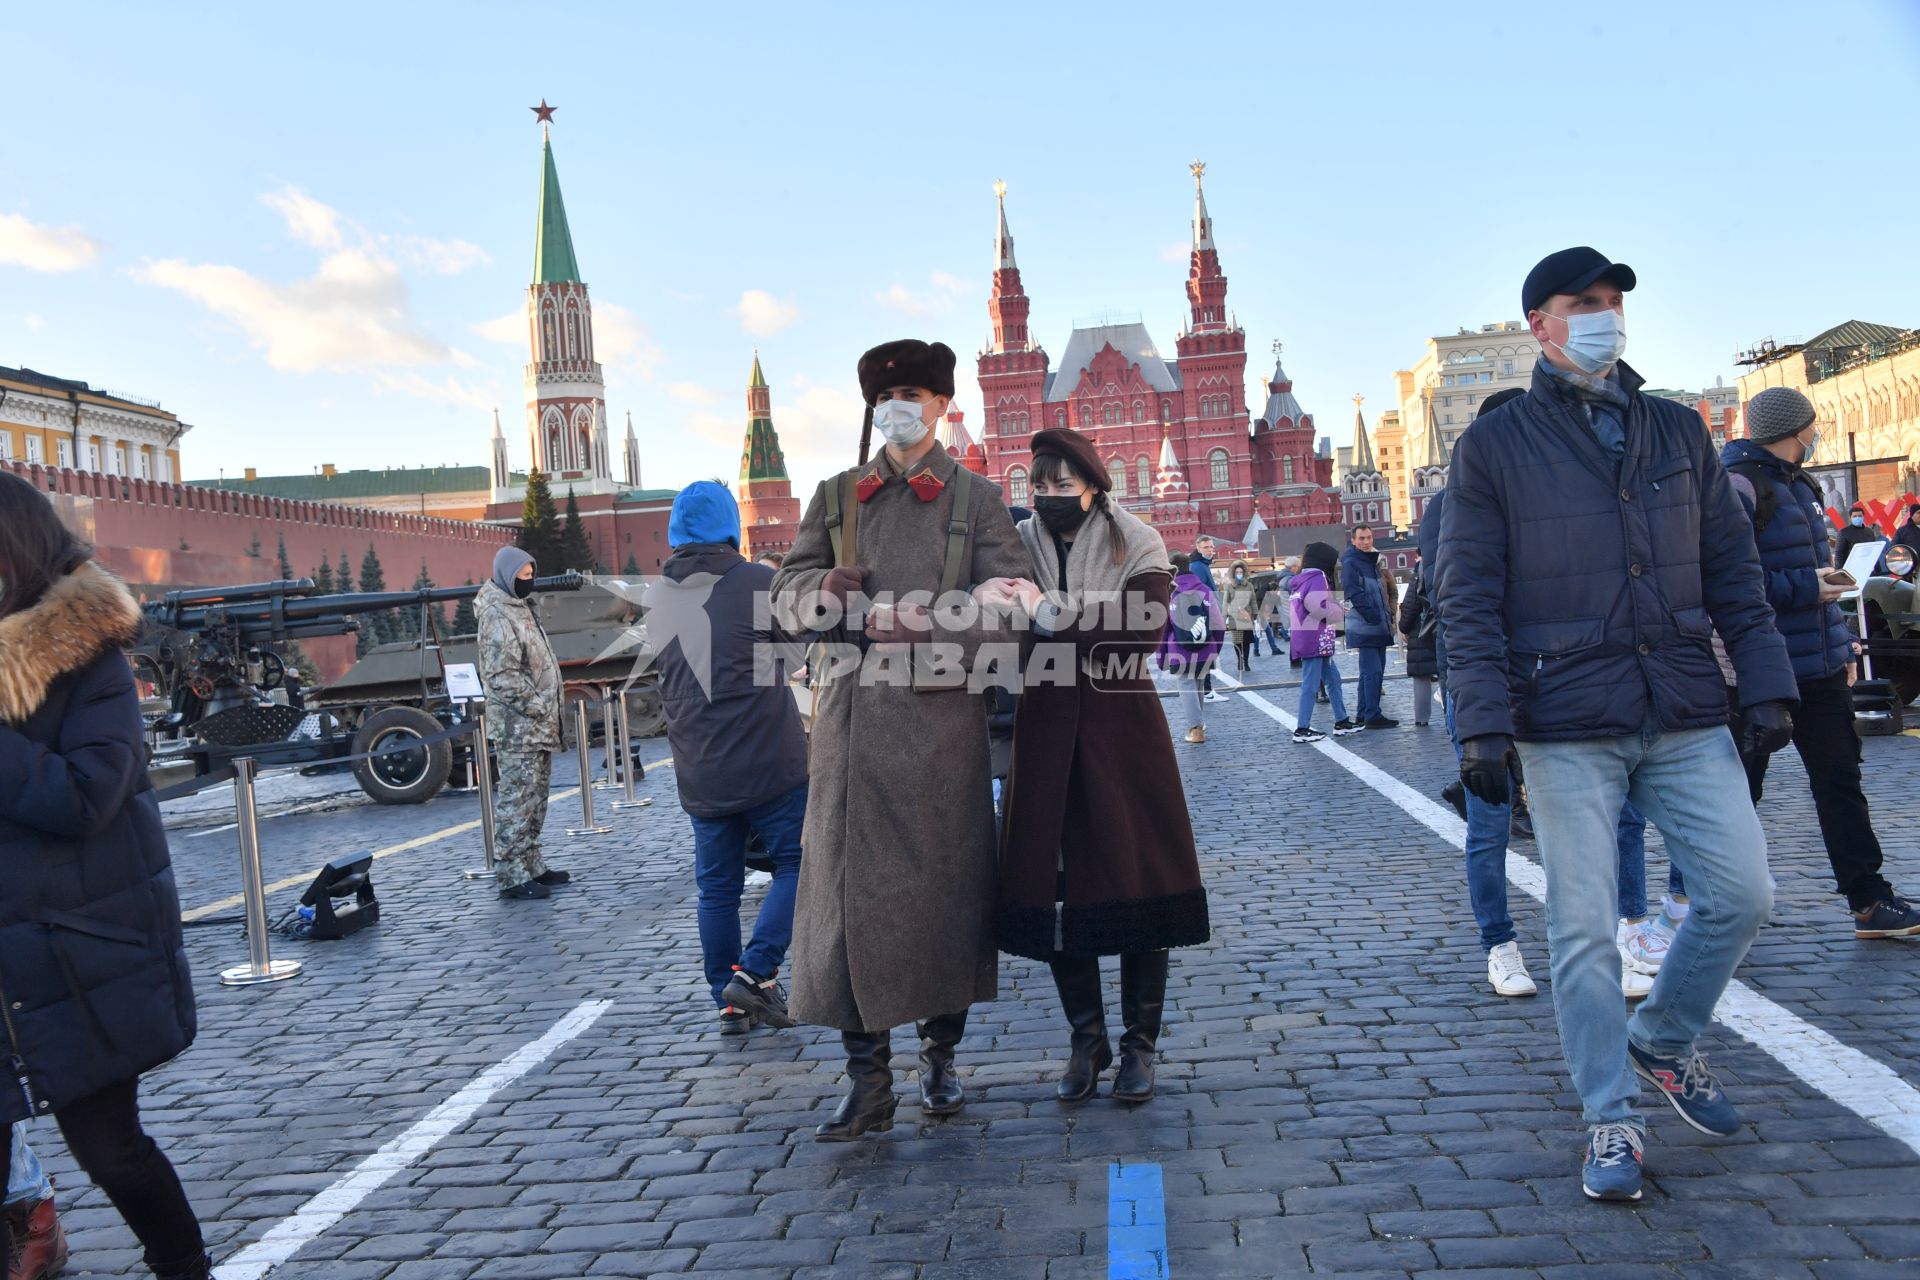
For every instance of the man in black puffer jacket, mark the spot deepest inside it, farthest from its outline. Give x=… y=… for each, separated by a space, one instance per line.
x=1590 y=545
x=1790 y=529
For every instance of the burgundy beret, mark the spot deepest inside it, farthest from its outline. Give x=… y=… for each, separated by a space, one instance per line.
x=1079 y=453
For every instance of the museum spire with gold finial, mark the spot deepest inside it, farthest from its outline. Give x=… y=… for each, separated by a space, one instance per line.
x=566 y=392
x=769 y=513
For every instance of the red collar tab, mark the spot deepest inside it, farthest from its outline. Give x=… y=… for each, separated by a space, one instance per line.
x=926 y=486
x=868 y=485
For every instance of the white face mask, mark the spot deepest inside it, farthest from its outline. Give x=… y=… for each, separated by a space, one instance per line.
x=1595 y=340
x=899 y=421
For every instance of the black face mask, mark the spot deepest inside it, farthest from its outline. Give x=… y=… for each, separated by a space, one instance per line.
x=522 y=587
x=1062 y=515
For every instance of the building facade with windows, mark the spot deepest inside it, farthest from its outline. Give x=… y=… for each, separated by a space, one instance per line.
x=68 y=425
x=1446 y=386
x=1140 y=408
x=1864 y=381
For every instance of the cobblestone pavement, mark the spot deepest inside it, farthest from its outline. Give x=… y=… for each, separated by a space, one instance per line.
x=1339 y=1092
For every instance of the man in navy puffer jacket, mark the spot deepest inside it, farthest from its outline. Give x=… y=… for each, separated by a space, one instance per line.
x=1590 y=545
x=1790 y=529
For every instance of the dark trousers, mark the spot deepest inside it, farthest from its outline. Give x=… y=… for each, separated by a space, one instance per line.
x=720 y=869
x=1243 y=647
x=1824 y=736
x=103 y=1132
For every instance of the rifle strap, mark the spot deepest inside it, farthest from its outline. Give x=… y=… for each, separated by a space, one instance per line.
x=843 y=519
x=957 y=529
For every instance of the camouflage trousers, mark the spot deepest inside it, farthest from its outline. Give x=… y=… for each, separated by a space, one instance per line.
x=519 y=811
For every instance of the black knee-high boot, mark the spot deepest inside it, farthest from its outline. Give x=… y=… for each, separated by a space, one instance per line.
x=1143 y=996
x=940 y=1091
x=1078 y=980
x=869 y=1104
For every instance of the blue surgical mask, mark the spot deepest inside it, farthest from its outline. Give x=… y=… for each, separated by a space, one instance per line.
x=1859 y=521
x=1812 y=445
x=899 y=421
x=1595 y=340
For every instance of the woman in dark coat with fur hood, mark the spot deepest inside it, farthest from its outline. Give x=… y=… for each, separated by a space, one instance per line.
x=94 y=986
x=1096 y=853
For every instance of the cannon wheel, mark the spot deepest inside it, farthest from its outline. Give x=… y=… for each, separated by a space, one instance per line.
x=646 y=712
x=404 y=777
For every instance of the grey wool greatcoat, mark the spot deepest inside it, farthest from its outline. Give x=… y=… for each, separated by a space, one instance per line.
x=894 y=920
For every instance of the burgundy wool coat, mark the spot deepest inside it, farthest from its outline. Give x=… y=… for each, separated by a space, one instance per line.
x=1095 y=815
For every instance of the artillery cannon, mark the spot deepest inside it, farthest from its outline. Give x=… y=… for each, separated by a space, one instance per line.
x=217 y=678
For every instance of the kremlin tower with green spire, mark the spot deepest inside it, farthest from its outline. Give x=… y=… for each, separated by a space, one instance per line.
x=769 y=513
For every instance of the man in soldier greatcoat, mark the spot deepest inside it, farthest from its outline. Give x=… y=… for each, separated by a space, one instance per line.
x=894 y=921
x=522 y=681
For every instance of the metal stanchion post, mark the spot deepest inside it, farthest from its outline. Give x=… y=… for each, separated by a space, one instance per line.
x=587 y=826
x=629 y=767
x=609 y=747
x=260 y=966
x=483 y=780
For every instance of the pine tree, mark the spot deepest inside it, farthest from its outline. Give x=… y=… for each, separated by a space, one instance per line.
x=632 y=567
x=375 y=628
x=323 y=576
x=286 y=566
x=343 y=576
x=575 y=551
x=540 y=525
x=464 y=621
x=253 y=548
x=407 y=620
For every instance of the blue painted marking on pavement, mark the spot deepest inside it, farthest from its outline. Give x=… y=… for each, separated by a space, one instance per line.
x=1136 y=1223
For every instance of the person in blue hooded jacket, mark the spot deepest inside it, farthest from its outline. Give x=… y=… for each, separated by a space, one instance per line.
x=1369 y=623
x=1590 y=545
x=1790 y=531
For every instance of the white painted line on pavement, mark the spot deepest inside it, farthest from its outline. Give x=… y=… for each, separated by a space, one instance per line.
x=1870 y=1089
x=326 y=1208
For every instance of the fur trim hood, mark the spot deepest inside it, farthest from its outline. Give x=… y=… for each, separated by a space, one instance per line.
x=82 y=616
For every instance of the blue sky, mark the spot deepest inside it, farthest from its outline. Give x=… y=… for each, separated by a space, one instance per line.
x=309 y=230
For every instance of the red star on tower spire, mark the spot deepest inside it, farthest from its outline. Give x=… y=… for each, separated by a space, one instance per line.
x=543 y=113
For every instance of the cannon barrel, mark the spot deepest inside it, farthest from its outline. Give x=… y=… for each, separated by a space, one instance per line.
x=277 y=613
x=238 y=594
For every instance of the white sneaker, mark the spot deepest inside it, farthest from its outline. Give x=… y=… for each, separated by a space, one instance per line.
x=1643 y=945
x=756 y=879
x=1507 y=972
x=1633 y=985
x=1215 y=696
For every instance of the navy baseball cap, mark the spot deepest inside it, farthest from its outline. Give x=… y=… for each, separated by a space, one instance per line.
x=1570 y=271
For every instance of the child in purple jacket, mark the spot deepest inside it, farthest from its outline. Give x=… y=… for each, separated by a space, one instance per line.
x=1315 y=614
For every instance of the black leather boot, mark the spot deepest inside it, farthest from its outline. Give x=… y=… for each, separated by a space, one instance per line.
x=1143 y=995
x=200 y=1269
x=869 y=1104
x=1078 y=980
x=940 y=1091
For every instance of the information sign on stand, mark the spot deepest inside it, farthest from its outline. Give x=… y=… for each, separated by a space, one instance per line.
x=463 y=682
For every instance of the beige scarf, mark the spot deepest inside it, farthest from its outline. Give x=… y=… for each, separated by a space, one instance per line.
x=1090 y=564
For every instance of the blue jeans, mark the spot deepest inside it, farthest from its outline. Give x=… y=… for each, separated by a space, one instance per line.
x=1373 y=670
x=1631 y=835
x=720 y=869
x=1488 y=826
x=1315 y=672
x=1689 y=784
x=26 y=1180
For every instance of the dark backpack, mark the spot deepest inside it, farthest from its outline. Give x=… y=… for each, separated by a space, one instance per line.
x=1764 y=501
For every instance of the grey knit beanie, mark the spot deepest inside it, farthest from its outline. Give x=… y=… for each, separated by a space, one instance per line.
x=1776 y=413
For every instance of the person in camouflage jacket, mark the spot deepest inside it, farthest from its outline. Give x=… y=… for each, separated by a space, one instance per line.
x=522 y=680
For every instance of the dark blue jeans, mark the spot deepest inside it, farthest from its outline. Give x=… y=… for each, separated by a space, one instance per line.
x=1488 y=827
x=1373 y=671
x=720 y=869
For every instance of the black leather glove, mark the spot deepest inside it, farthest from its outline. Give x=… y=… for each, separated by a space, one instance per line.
x=1765 y=727
x=1484 y=765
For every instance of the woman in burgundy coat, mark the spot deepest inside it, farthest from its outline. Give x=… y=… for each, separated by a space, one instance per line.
x=1096 y=851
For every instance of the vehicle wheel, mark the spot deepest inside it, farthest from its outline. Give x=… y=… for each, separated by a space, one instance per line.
x=407 y=776
x=646 y=713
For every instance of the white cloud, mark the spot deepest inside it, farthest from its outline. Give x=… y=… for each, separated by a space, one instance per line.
x=442 y=257
x=694 y=393
x=511 y=327
x=938 y=300
x=308 y=221
x=764 y=315
x=42 y=248
x=352 y=313
x=448 y=391
x=33 y=321
x=622 y=342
